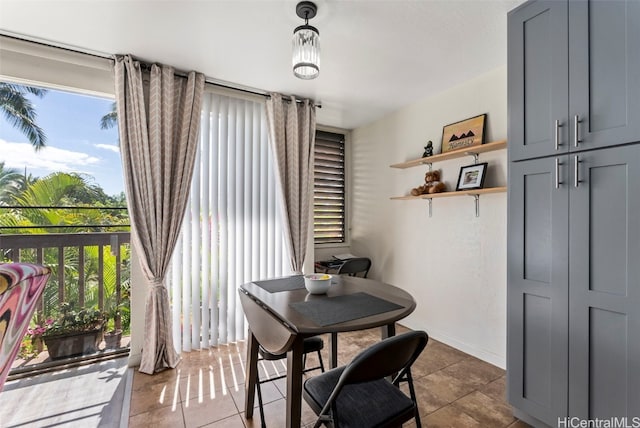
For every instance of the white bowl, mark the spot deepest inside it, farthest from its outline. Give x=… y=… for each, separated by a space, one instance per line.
x=317 y=283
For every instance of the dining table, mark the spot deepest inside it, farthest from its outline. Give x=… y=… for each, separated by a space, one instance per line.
x=281 y=314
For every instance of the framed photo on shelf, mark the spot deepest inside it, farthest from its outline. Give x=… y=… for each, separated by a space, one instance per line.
x=463 y=134
x=472 y=176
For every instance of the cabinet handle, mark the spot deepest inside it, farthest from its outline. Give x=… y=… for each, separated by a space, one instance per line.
x=576 y=129
x=558 y=125
x=576 y=178
x=558 y=173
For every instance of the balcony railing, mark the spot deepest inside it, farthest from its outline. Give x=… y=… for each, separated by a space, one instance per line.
x=89 y=269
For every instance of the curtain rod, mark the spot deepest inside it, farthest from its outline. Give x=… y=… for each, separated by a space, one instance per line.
x=178 y=73
x=145 y=64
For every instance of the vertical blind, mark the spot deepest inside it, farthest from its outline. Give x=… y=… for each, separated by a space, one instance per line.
x=231 y=232
x=329 y=189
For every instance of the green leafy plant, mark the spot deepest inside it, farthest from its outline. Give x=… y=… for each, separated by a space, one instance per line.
x=114 y=316
x=71 y=321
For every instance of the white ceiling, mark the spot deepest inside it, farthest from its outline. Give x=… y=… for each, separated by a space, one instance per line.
x=377 y=56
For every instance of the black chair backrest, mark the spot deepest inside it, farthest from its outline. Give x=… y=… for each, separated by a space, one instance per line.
x=386 y=358
x=355 y=266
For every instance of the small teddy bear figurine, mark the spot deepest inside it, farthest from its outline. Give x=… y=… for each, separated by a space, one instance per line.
x=432 y=184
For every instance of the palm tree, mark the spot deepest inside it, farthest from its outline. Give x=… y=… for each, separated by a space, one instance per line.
x=20 y=112
x=110 y=119
x=9 y=183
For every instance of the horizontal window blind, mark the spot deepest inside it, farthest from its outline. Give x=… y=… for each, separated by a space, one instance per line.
x=329 y=189
x=231 y=233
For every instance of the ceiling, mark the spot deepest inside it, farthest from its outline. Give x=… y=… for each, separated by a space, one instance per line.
x=377 y=55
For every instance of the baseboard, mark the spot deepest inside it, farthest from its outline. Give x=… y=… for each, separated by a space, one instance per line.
x=484 y=355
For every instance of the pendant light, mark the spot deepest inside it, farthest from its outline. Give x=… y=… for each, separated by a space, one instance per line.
x=306 y=44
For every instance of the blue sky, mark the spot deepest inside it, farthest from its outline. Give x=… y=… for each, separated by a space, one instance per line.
x=75 y=142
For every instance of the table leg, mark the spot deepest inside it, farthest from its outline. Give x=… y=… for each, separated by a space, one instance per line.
x=294 y=384
x=388 y=331
x=333 y=357
x=252 y=374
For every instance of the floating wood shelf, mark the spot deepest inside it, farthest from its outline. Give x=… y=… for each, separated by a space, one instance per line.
x=467 y=151
x=449 y=194
x=475 y=193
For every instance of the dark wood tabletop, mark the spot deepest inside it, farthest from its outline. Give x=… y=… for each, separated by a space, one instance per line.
x=279 y=328
x=278 y=304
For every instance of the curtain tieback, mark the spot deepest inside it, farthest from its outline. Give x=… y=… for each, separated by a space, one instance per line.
x=157 y=283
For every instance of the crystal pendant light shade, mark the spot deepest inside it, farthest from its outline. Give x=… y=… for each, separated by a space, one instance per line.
x=306 y=45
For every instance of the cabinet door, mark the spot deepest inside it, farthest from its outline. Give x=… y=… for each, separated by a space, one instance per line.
x=604 y=288
x=537 y=79
x=604 y=73
x=537 y=290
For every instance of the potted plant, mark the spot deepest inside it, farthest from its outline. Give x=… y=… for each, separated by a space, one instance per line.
x=113 y=334
x=74 y=332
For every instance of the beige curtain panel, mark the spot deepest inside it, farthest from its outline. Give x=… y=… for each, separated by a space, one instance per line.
x=292 y=130
x=159 y=119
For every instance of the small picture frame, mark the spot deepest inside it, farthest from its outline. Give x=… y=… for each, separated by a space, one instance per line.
x=472 y=176
x=463 y=134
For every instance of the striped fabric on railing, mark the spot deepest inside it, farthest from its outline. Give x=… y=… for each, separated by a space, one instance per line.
x=231 y=232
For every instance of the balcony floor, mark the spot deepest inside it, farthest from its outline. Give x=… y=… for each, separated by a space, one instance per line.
x=85 y=396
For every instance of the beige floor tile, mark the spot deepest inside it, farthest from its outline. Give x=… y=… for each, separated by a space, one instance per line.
x=436 y=356
x=141 y=380
x=519 y=424
x=274 y=415
x=234 y=421
x=474 y=372
x=450 y=417
x=202 y=411
x=210 y=381
x=269 y=393
x=165 y=417
x=496 y=389
x=155 y=396
x=437 y=390
x=486 y=410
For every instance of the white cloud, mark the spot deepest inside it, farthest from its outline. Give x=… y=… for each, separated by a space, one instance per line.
x=21 y=155
x=115 y=149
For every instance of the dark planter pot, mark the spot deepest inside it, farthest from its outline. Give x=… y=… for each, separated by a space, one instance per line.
x=112 y=339
x=72 y=344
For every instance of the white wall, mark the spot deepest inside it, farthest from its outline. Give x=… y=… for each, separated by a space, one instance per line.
x=453 y=263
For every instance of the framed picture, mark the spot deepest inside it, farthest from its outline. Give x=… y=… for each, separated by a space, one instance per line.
x=463 y=134
x=472 y=176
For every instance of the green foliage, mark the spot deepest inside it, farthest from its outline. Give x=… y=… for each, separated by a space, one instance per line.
x=62 y=189
x=76 y=190
x=110 y=119
x=19 y=111
x=72 y=321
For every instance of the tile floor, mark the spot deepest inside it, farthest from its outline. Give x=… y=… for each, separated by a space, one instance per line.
x=206 y=389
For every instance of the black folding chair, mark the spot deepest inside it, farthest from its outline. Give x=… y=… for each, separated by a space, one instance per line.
x=353 y=267
x=358 y=395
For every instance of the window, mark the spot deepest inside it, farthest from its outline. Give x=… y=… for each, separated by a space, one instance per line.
x=329 y=189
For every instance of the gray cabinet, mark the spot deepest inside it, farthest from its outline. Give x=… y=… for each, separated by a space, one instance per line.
x=537 y=294
x=604 y=283
x=574 y=76
x=573 y=336
x=574 y=285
